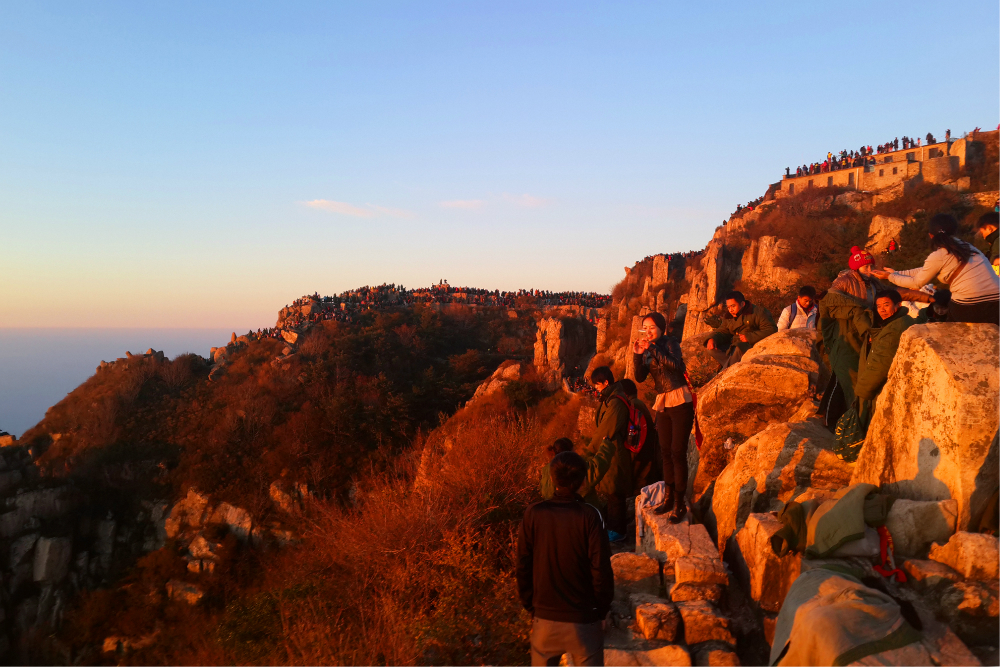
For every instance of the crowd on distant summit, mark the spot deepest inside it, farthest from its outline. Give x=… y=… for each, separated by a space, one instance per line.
x=863 y=157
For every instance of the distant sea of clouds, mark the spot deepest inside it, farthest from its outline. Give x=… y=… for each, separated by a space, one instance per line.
x=38 y=367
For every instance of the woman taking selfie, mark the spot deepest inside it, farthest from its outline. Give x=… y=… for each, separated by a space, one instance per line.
x=659 y=355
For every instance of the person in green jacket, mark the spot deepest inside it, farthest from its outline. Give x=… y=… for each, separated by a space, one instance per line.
x=988 y=228
x=881 y=340
x=745 y=326
x=612 y=426
x=597 y=467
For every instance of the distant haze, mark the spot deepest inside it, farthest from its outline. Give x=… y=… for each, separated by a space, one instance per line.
x=38 y=367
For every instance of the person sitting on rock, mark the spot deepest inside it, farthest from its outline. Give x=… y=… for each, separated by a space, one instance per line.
x=597 y=467
x=746 y=325
x=975 y=287
x=659 y=355
x=564 y=575
x=803 y=313
x=612 y=426
x=987 y=227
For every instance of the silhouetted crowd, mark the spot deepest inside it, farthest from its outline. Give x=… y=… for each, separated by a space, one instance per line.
x=862 y=157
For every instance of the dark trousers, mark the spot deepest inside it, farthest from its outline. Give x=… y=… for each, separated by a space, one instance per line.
x=617 y=517
x=550 y=639
x=673 y=426
x=987 y=312
x=728 y=358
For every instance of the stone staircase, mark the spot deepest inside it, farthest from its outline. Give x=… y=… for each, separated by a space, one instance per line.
x=669 y=606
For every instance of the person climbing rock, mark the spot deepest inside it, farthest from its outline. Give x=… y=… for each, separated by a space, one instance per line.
x=745 y=326
x=564 y=575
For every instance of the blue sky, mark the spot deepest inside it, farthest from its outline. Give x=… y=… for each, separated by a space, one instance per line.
x=202 y=164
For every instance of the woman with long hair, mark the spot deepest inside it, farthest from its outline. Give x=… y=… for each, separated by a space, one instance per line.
x=975 y=288
x=659 y=354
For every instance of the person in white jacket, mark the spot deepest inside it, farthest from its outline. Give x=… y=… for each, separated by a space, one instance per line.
x=803 y=313
x=975 y=288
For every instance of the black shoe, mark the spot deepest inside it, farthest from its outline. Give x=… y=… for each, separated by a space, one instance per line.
x=678 y=514
x=661 y=509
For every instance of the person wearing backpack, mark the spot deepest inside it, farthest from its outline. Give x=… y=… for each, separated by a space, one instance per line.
x=659 y=355
x=642 y=443
x=612 y=425
x=803 y=312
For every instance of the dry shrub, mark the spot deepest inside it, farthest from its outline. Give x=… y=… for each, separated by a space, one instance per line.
x=417 y=575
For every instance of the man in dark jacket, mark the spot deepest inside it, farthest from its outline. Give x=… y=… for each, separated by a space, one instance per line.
x=564 y=575
x=612 y=425
x=880 y=341
x=745 y=326
x=988 y=228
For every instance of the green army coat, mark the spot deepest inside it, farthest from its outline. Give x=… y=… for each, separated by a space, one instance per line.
x=838 y=313
x=878 y=350
x=755 y=322
x=612 y=425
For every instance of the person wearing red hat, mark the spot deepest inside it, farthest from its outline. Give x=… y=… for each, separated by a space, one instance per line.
x=852 y=292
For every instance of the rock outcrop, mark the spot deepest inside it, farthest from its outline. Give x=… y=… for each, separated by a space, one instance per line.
x=774 y=466
x=933 y=434
x=882 y=230
x=719 y=269
x=748 y=396
x=761 y=264
x=563 y=347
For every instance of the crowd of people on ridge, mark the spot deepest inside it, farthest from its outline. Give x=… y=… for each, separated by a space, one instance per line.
x=564 y=541
x=863 y=157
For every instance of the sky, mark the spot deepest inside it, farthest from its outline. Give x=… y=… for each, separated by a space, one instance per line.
x=193 y=164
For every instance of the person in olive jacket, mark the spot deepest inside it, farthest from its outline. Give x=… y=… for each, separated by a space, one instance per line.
x=659 y=355
x=612 y=425
x=745 y=326
x=880 y=341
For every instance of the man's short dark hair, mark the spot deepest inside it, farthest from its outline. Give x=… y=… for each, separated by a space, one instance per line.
x=568 y=470
x=890 y=294
x=990 y=219
x=602 y=374
x=658 y=320
x=629 y=388
x=809 y=291
x=559 y=446
x=736 y=296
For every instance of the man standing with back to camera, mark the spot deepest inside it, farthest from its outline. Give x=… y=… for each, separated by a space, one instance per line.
x=564 y=575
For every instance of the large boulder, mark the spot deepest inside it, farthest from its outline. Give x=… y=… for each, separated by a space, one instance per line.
x=765 y=576
x=780 y=462
x=974 y=555
x=701 y=366
x=882 y=230
x=933 y=433
x=917 y=524
x=761 y=264
x=563 y=346
x=747 y=397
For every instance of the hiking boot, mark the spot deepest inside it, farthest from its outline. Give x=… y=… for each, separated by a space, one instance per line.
x=662 y=508
x=678 y=514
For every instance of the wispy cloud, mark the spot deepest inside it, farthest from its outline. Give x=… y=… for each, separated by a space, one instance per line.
x=526 y=200
x=468 y=204
x=368 y=211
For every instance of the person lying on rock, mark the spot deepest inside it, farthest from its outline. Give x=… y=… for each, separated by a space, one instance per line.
x=745 y=326
x=647 y=465
x=564 y=575
x=659 y=355
x=803 y=313
x=597 y=467
x=975 y=287
x=612 y=425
